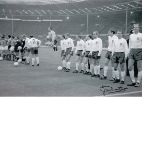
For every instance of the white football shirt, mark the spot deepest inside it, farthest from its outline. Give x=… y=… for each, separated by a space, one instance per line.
x=63 y=44
x=69 y=43
x=135 y=41
x=111 y=42
x=52 y=34
x=88 y=45
x=97 y=45
x=80 y=45
x=33 y=42
x=121 y=45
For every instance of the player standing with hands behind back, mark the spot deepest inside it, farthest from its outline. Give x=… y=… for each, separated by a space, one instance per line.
x=135 y=46
x=119 y=55
x=96 y=53
x=80 y=49
x=108 y=57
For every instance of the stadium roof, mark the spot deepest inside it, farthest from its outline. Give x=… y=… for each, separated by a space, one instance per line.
x=68 y=10
x=47 y=2
x=38 y=2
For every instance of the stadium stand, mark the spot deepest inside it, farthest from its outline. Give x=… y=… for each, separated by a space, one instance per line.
x=73 y=16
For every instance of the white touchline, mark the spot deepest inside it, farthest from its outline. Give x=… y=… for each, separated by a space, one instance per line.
x=119 y=94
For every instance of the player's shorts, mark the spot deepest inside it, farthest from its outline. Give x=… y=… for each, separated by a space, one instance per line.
x=69 y=51
x=79 y=53
x=87 y=54
x=34 y=50
x=95 y=55
x=118 y=57
x=108 y=55
x=135 y=54
x=63 y=53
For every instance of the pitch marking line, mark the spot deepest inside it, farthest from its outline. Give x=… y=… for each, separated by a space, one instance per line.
x=121 y=94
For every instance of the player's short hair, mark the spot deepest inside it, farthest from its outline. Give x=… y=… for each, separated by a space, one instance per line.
x=96 y=32
x=113 y=31
x=9 y=36
x=79 y=36
x=131 y=31
x=63 y=36
x=90 y=36
x=67 y=34
x=31 y=36
x=136 y=25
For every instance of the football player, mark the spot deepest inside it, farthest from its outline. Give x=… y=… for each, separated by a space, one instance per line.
x=79 y=52
x=34 y=45
x=51 y=37
x=63 y=51
x=87 y=58
x=69 y=51
x=18 y=48
x=12 y=48
x=120 y=53
x=96 y=53
x=27 y=49
x=108 y=57
x=4 y=47
x=135 y=46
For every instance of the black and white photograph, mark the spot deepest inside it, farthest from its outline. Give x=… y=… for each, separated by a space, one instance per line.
x=71 y=77
x=70 y=48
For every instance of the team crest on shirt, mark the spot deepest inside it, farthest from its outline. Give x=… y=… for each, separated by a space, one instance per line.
x=138 y=38
x=121 y=44
x=96 y=42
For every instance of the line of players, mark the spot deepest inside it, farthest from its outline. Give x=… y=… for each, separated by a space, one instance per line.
x=90 y=49
x=10 y=47
x=19 y=49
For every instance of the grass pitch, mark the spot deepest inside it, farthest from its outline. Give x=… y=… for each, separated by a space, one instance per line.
x=46 y=80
